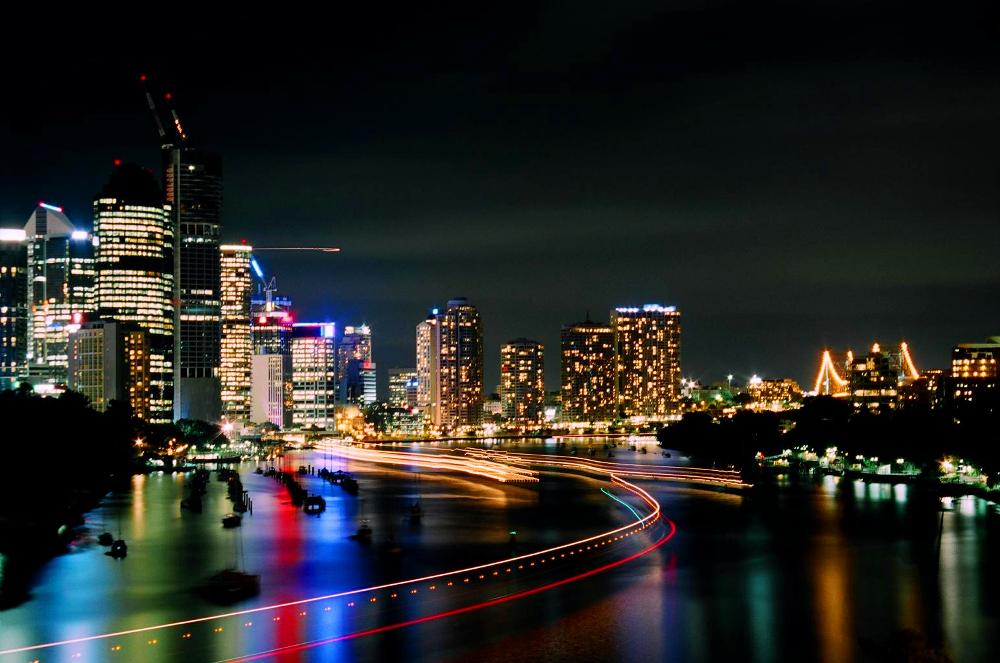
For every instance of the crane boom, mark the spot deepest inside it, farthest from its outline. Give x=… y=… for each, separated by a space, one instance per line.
x=321 y=249
x=152 y=107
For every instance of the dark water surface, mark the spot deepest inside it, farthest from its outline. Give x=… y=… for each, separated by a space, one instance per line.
x=827 y=571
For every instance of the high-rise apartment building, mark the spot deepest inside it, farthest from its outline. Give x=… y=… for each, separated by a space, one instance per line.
x=973 y=389
x=460 y=390
x=522 y=382
x=61 y=271
x=135 y=272
x=13 y=305
x=403 y=388
x=192 y=185
x=588 y=372
x=428 y=367
x=314 y=384
x=355 y=366
x=648 y=360
x=110 y=361
x=236 y=345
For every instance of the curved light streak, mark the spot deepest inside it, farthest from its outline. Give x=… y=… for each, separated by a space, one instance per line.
x=458 y=611
x=696 y=475
x=636 y=526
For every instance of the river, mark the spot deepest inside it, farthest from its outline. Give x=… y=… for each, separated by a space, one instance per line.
x=830 y=570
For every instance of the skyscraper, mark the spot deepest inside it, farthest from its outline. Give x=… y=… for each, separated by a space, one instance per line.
x=271 y=389
x=461 y=365
x=355 y=367
x=522 y=387
x=314 y=385
x=588 y=372
x=429 y=367
x=13 y=304
x=648 y=360
x=110 y=361
x=403 y=388
x=236 y=346
x=135 y=272
x=192 y=184
x=61 y=268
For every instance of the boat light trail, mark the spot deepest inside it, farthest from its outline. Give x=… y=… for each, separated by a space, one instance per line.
x=459 y=611
x=611 y=535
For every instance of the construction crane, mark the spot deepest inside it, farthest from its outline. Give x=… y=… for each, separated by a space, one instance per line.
x=319 y=249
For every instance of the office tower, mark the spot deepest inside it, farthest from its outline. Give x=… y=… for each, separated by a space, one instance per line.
x=109 y=361
x=403 y=388
x=61 y=267
x=460 y=388
x=271 y=326
x=236 y=345
x=271 y=389
x=355 y=367
x=648 y=360
x=135 y=272
x=428 y=367
x=192 y=185
x=522 y=388
x=314 y=382
x=588 y=372
x=13 y=305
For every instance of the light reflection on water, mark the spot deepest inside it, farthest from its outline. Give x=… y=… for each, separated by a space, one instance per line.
x=813 y=571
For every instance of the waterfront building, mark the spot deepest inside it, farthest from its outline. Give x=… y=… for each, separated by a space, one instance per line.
x=109 y=361
x=972 y=391
x=648 y=360
x=873 y=380
x=460 y=366
x=587 y=369
x=13 y=305
x=135 y=272
x=773 y=394
x=403 y=388
x=926 y=393
x=314 y=384
x=428 y=367
x=236 y=345
x=355 y=366
x=522 y=388
x=271 y=392
x=192 y=185
x=61 y=271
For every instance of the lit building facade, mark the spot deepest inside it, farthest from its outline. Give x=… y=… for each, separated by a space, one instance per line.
x=460 y=368
x=61 y=271
x=428 y=367
x=648 y=360
x=13 y=305
x=873 y=380
x=403 y=386
x=236 y=346
x=314 y=381
x=522 y=382
x=355 y=366
x=135 y=272
x=587 y=370
x=110 y=361
x=271 y=395
x=192 y=186
x=972 y=390
x=773 y=394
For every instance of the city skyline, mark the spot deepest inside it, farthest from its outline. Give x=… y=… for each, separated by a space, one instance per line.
x=730 y=185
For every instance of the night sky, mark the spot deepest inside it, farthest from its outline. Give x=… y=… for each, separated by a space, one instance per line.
x=791 y=175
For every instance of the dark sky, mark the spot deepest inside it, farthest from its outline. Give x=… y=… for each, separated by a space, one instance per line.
x=790 y=174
